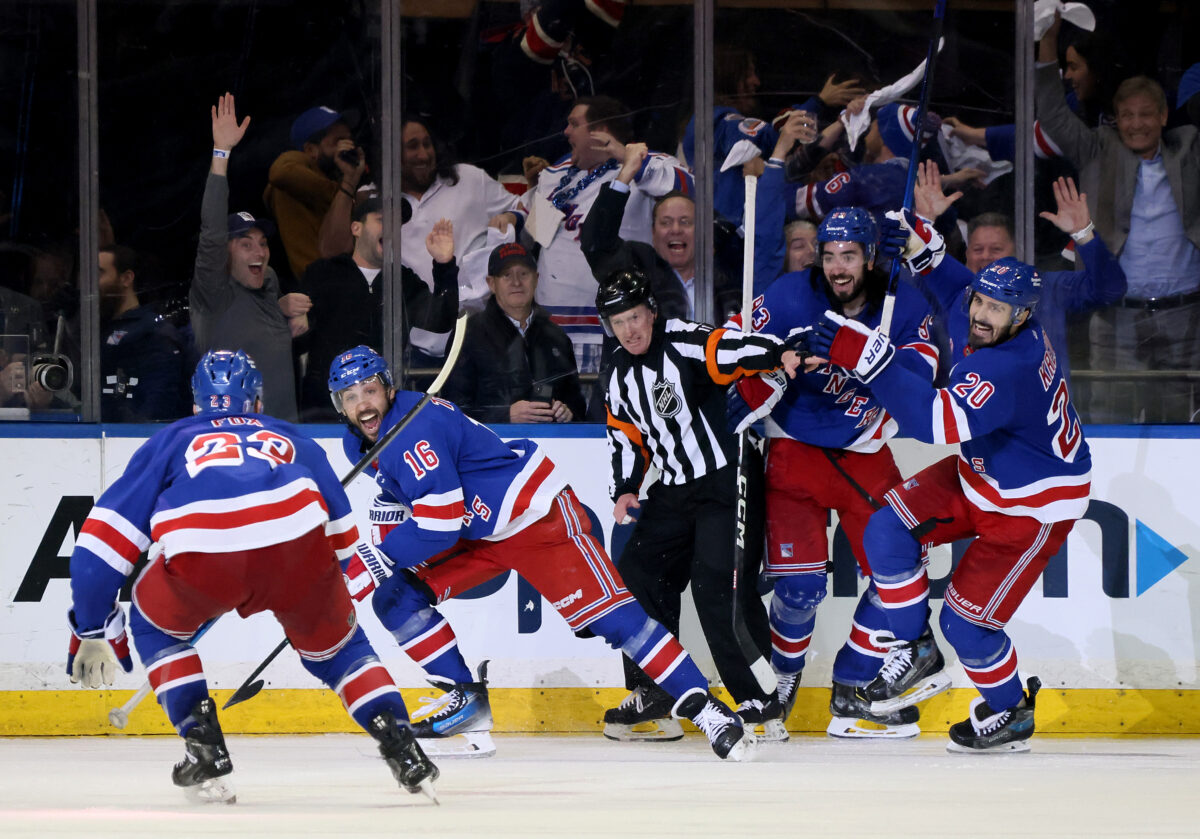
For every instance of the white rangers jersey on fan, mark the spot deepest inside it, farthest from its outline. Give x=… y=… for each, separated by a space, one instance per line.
x=469 y=204
x=566 y=286
x=208 y=484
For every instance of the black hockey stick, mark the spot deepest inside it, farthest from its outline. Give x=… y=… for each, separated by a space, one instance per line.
x=939 y=16
x=250 y=688
x=759 y=666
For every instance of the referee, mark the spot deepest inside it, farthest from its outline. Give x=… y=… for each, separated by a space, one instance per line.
x=665 y=401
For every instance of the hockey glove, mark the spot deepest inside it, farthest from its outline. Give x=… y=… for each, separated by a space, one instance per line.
x=893 y=236
x=93 y=655
x=925 y=247
x=852 y=345
x=799 y=341
x=751 y=398
x=366 y=570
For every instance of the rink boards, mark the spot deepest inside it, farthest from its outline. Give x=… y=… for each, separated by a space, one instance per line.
x=1111 y=628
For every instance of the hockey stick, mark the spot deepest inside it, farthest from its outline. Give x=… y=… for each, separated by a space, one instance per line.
x=250 y=688
x=939 y=16
x=759 y=666
x=119 y=717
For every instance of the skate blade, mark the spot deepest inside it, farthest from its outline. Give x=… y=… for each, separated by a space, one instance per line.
x=771 y=731
x=932 y=686
x=851 y=728
x=1016 y=746
x=468 y=744
x=213 y=791
x=426 y=788
x=664 y=730
x=744 y=750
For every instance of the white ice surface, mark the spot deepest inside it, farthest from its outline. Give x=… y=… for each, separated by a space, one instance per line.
x=582 y=786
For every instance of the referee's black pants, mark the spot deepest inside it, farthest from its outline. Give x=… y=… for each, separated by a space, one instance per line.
x=685 y=534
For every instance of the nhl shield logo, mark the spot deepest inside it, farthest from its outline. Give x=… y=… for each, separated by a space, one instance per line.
x=666 y=400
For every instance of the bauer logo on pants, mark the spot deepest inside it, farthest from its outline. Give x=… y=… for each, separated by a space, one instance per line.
x=666 y=400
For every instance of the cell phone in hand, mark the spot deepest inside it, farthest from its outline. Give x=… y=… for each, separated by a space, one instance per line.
x=542 y=392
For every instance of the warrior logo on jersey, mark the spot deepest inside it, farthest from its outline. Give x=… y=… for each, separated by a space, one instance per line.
x=666 y=400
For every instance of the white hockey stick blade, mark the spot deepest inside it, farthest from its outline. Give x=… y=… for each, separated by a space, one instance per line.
x=665 y=730
x=470 y=744
x=932 y=686
x=1006 y=749
x=851 y=728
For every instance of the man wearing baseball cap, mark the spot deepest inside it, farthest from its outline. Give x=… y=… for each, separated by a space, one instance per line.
x=303 y=181
x=235 y=299
x=516 y=364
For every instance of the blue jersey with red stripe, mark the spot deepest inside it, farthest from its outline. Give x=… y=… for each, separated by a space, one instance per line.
x=458 y=479
x=207 y=484
x=828 y=407
x=1022 y=449
x=877 y=187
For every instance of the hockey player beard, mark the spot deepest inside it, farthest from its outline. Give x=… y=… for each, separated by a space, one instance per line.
x=845 y=286
x=367 y=419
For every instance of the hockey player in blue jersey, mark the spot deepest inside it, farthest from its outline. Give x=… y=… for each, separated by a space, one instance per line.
x=477 y=506
x=1019 y=483
x=828 y=452
x=241 y=512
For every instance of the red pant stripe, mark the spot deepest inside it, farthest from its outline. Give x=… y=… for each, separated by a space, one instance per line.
x=173 y=671
x=905 y=593
x=431 y=644
x=665 y=657
x=996 y=674
x=860 y=638
x=365 y=683
x=790 y=647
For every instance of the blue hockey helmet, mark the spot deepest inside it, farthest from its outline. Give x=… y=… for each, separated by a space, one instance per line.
x=1010 y=281
x=356 y=365
x=226 y=382
x=851 y=224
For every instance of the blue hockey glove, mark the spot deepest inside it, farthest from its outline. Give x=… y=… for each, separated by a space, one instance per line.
x=799 y=341
x=852 y=345
x=892 y=238
x=93 y=655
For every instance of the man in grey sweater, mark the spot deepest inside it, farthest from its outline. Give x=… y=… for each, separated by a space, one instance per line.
x=235 y=301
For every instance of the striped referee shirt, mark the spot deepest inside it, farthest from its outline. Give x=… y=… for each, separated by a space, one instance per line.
x=667 y=406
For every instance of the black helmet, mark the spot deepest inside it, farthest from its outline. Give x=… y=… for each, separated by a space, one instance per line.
x=622 y=290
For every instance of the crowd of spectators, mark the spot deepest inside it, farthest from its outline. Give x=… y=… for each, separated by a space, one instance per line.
x=613 y=185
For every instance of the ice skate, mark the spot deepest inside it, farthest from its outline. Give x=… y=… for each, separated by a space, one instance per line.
x=764 y=719
x=985 y=731
x=459 y=722
x=204 y=774
x=912 y=672
x=643 y=715
x=410 y=767
x=854 y=720
x=723 y=728
x=789 y=687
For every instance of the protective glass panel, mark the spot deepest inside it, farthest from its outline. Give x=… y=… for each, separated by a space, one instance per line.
x=39 y=212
